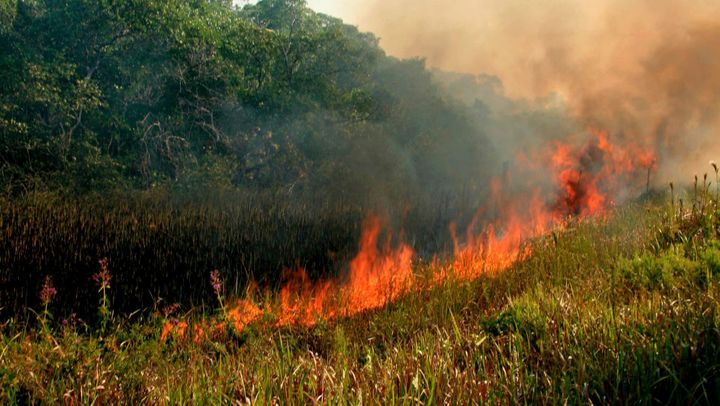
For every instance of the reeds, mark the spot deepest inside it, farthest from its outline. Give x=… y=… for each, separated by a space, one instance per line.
x=699 y=221
x=161 y=247
x=159 y=250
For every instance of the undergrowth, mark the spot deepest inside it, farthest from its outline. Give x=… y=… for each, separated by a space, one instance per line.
x=622 y=309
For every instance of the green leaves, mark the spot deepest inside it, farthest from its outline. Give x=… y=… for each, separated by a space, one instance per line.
x=8 y=11
x=142 y=92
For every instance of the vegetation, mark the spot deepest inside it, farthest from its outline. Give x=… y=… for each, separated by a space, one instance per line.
x=174 y=137
x=161 y=245
x=165 y=162
x=101 y=95
x=622 y=309
x=159 y=249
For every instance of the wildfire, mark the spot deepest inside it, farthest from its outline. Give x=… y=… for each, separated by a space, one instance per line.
x=586 y=180
x=590 y=175
x=376 y=278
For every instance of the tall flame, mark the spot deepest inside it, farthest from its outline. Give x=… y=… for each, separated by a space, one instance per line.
x=376 y=278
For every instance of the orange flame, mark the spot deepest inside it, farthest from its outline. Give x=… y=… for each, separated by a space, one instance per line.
x=589 y=175
x=244 y=313
x=174 y=329
x=375 y=279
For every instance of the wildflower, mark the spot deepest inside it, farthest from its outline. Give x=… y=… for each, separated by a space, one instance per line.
x=102 y=278
x=216 y=282
x=72 y=321
x=48 y=292
x=217 y=285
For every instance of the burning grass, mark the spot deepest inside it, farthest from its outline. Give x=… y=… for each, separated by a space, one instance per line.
x=585 y=178
x=557 y=298
x=622 y=308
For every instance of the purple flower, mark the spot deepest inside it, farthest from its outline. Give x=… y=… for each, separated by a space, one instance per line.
x=102 y=278
x=72 y=320
x=215 y=281
x=48 y=292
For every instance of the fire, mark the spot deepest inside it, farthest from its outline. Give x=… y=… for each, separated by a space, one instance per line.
x=175 y=329
x=586 y=179
x=587 y=176
x=376 y=278
x=501 y=242
x=244 y=313
x=304 y=302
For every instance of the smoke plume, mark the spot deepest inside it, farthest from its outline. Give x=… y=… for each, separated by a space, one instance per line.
x=647 y=71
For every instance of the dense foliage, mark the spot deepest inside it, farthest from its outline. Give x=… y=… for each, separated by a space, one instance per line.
x=108 y=94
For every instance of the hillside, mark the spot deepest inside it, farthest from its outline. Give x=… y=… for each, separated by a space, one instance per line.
x=622 y=309
x=198 y=95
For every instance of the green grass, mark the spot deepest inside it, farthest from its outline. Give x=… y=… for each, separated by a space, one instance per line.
x=621 y=310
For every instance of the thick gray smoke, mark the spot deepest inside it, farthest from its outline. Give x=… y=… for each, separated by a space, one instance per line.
x=646 y=71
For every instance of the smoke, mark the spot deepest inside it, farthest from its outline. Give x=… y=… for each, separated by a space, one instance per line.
x=646 y=71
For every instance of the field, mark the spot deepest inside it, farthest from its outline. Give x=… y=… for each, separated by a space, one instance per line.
x=621 y=308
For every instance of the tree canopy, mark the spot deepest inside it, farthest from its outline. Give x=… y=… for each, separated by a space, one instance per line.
x=101 y=94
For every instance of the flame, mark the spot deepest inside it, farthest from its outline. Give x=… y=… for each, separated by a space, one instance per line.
x=175 y=328
x=586 y=179
x=304 y=302
x=244 y=313
x=500 y=243
x=590 y=175
x=376 y=278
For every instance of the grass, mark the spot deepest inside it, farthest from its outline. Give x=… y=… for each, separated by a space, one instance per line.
x=161 y=246
x=616 y=310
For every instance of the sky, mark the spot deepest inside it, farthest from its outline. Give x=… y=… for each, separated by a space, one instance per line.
x=337 y=8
